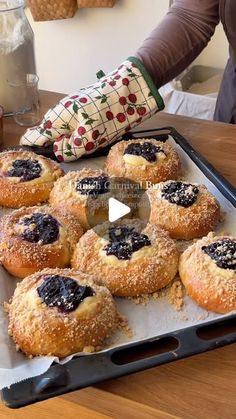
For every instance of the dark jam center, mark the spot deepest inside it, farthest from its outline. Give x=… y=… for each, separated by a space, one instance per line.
x=223 y=252
x=124 y=241
x=25 y=169
x=42 y=228
x=93 y=186
x=146 y=150
x=183 y=194
x=63 y=292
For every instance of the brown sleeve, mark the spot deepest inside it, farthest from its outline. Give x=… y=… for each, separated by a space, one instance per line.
x=179 y=38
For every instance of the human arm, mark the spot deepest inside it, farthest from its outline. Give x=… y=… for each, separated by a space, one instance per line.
x=180 y=37
x=101 y=113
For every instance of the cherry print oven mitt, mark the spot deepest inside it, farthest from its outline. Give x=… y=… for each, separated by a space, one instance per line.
x=99 y=114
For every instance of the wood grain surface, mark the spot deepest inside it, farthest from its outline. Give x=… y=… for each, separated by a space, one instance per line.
x=200 y=387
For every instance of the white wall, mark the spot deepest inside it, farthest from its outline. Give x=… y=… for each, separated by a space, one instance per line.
x=217 y=52
x=70 y=52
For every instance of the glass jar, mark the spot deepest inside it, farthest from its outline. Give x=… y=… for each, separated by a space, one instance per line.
x=16 y=48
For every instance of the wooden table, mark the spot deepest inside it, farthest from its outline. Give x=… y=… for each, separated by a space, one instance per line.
x=203 y=386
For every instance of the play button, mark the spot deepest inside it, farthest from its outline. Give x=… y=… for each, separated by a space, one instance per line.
x=109 y=199
x=117 y=210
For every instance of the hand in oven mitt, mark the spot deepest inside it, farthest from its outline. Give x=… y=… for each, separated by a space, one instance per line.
x=99 y=114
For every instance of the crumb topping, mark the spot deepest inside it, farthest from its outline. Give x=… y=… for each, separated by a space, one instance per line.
x=210 y=285
x=147 y=150
x=26 y=170
x=65 y=189
x=175 y=294
x=182 y=222
x=63 y=292
x=38 y=329
x=124 y=241
x=30 y=253
x=166 y=166
x=40 y=228
x=180 y=193
x=93 y=186
x=223 y=252
x=149 y=268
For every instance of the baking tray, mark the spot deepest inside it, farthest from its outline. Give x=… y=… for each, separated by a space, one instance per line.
x=84 y=371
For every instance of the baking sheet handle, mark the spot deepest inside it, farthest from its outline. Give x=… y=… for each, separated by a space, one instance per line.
x=89 y=370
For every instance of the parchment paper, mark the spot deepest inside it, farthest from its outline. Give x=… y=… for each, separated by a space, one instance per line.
x=146 y=321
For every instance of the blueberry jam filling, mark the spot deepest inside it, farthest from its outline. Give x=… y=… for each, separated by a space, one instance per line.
x=223 y=252
x=93 y=186
x=43 y=228
x=124 y=241
x=25 y=169
x=63 y=292
x=183 y=194
x=146 y=150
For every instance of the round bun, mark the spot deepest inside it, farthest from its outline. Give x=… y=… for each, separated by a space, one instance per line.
x=35 y=238
x=26 y=178
x=185 y=210
x=89 y=207
x=208 y=272
x=86 y=194
x=60 y=312
x=129 y=257
x=144 y=160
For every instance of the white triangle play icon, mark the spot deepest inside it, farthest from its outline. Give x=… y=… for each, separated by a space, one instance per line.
x=117 y=209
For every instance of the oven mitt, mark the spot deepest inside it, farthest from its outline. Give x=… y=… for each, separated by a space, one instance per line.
x=99 y=114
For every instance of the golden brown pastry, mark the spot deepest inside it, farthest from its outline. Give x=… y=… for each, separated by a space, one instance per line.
x=144 y=160
x=35 y=238
x=208 y=272
x=185 y=210
x=85 y=194
x=128 y=257
x=26 y=178
x=60 y=312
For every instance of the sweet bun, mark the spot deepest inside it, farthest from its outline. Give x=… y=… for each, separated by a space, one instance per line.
x=26 y=178
x=185 y=210
x=144 y=160
x=129 y=257
x=35 y=238
x=86 y=194
x=60 y=312
x=208 y=272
